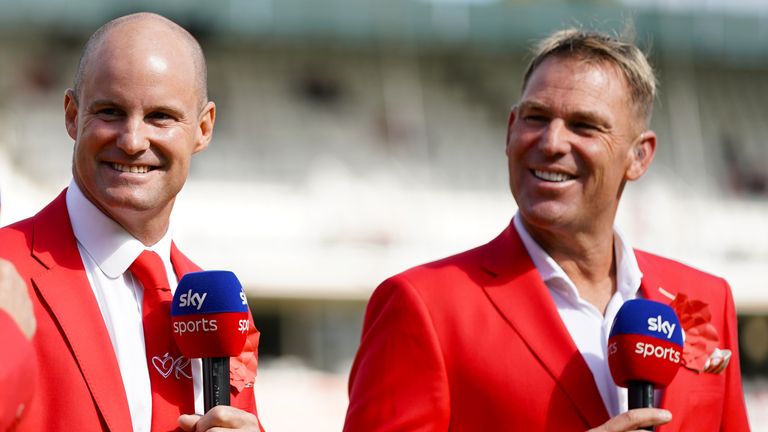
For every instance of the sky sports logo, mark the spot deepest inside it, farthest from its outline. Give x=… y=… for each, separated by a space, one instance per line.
x=190 y=299
x=204 y=325
x=659 y=325
x=209 y=315
x=196 y=299
x=645 y=344
x=649 y=349
x=650 y=319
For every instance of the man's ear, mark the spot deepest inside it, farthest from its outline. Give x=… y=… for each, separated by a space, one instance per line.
x=70 y=113
x=641 y=155
x=205 y=127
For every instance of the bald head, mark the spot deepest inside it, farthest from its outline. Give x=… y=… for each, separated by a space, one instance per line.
x=140 y=31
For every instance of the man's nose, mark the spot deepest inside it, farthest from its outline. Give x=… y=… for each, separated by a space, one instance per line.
x=554 y=138
x=133 y=137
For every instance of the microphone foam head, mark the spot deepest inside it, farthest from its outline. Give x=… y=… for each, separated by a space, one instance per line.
x=645 y=344
x=209 y=315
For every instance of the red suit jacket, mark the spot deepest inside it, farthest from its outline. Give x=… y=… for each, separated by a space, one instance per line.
x=79 y=385
x=18 y=374
x=474 y=342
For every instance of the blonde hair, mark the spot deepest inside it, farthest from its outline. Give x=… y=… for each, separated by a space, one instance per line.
x=598 y=47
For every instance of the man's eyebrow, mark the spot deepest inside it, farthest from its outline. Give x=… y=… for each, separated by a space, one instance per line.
x=532 y=105
x=101 y=102
x=586 y=115
x=593 y=117
x=171 y=109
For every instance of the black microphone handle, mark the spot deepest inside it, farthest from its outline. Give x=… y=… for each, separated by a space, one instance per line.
x=640 y=396
x=215 y=382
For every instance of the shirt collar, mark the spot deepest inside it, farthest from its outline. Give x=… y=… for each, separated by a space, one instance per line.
x=110 y=246
x=628 y=274
x=548 y=268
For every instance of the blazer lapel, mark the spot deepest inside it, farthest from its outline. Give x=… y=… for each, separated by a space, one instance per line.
x=65 y=289
x=521 y=296
x=181 y=264
x=651 y=286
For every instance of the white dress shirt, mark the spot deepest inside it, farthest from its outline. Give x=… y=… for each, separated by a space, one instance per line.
x=588 y=327
x=107 y=251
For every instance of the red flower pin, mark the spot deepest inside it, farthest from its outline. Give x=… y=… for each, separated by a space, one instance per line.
x=700 y=335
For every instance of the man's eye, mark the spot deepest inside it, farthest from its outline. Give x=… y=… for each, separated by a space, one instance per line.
x=535 y=119
x=160 y=116
x=108 y=112
x=584 y=126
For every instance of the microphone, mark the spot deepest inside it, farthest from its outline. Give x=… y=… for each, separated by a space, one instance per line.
x=209 y=315
x=644 y=349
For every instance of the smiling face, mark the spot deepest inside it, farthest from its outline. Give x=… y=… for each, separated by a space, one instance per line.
x=574 y=139
x=137 y=121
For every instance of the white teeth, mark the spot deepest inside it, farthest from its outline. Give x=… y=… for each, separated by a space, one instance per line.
x=131 y=168
x=552 y=176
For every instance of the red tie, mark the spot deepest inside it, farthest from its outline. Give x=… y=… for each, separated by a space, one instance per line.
x=170 y=374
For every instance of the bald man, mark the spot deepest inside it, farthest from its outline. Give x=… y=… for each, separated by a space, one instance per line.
x=137 y=113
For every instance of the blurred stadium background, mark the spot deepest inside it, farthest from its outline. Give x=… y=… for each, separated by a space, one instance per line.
x=357 y=138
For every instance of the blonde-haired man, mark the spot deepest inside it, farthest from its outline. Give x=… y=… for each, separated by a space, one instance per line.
x=512 y=335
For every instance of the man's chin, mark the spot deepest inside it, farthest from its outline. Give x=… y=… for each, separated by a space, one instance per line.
x=119 y=203
x=546 y=215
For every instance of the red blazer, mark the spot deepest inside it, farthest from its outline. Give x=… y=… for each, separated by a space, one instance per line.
x=79 y=386
x=18 y=375
x=474 y=342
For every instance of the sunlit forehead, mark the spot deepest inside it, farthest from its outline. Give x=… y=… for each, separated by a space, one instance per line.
x=157 y=64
